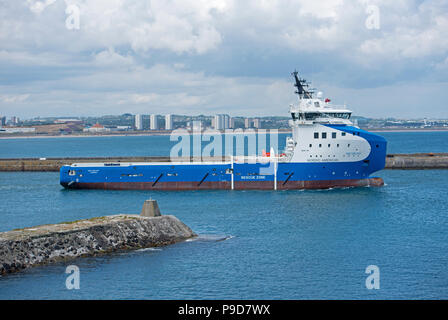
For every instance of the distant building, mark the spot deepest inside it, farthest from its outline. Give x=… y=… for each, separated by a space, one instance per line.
x=154 y=123
x=256 y=123
x=96 y=128
x=15 y=121
x=121 y=128
x=2 y=121
x=138 y=122
x=247 y=123
x=197 y=125
x=232 y=123
x=67 y=121
x=221 y=122
x=18 y=130
x=168 y=122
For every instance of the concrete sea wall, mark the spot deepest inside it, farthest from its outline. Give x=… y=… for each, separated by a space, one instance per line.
x=24 y=248
x=415 y=161
x=54 y=164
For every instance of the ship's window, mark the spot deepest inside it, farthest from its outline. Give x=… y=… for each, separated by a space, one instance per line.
x=316 y=135
x=324 y=135
x=329 y=145
x=320 y=145
x=312 y=145
x=311 y=115
x=333 y=135
x=377 y=146
x=316 y=104
x=343 y=134
x=348 y=145
x=337 y=145
x=72 y=173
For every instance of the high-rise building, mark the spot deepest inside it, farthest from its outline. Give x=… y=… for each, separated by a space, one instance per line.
x=221 y=121
x=2 y=121
x=168 y=122
x=15 y=120
x=256 y=123
x=154 y=125
x=197 y=125
x=248 y=123
x=232 y=123
x=138 y=122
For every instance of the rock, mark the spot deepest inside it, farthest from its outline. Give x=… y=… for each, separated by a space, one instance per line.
x=45 y=244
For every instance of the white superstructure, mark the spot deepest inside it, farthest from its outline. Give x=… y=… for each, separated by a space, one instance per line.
x=316 y=134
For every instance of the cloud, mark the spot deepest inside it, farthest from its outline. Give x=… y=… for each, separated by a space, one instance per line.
x=14 y=98
x=207 y=56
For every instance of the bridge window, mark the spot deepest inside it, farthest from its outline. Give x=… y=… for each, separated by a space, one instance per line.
x=324 y=135
x=343 y=134
x=333 y=135
x=316 y=135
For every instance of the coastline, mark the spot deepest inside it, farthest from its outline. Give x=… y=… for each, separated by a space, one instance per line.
x=150 y=134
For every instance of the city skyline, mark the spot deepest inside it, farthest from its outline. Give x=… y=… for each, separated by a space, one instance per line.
x=207 y=57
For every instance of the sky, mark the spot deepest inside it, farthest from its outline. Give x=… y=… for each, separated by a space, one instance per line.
x=95 y=57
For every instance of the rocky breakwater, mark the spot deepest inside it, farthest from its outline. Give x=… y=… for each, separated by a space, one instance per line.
x=24 y=248
x=417 y=161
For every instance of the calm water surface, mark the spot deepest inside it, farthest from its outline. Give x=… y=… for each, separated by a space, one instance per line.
x=398 y=142
x=280 y=245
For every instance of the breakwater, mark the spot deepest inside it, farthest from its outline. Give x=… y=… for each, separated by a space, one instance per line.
x=54 y=164
x=28 y=247
x=415 y=161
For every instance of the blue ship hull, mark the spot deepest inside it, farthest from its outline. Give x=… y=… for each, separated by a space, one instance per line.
x=207 y=176
x=265 y=176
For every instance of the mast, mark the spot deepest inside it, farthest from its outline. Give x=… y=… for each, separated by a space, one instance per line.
x=300 y=85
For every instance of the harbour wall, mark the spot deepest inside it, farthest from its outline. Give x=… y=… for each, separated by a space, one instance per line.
x=24 y=248
x=416 y=161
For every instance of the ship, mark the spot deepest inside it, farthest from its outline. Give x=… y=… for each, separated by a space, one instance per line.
x=325 y=150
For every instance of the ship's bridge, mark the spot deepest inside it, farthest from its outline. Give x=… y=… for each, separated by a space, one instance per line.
x=310 y=111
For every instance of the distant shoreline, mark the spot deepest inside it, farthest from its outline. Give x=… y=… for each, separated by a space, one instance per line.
x=149 y=134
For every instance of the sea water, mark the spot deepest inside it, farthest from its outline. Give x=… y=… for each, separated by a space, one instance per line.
x=313 y=244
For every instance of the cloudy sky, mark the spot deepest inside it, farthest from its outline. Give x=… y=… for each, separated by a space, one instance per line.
x=383 y=58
